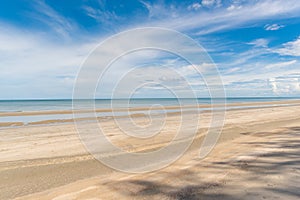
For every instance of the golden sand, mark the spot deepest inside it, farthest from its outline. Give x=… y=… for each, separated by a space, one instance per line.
x=257 y=157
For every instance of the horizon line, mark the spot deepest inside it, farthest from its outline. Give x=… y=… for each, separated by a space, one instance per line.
x=69 y=99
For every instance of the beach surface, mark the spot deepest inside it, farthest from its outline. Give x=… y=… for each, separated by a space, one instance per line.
x=257 y=157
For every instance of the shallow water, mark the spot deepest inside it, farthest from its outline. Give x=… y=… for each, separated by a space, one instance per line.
x=61 y=105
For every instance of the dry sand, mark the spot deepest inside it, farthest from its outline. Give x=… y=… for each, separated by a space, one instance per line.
x=257 y=157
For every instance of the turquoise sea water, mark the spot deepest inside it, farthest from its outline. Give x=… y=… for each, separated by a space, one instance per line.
x=45 y=105
x=59 y=105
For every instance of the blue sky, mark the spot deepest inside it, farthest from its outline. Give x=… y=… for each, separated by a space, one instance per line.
x=255 y=44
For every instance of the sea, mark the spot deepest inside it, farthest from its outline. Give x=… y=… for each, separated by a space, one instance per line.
x=21 y=106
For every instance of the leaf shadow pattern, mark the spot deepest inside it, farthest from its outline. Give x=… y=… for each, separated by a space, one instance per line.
x=270 y=174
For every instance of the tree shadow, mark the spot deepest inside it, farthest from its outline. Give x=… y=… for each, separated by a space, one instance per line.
x=282 y=158
x=155 y=190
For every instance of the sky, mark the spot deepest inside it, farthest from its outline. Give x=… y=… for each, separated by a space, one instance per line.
x=254 y=44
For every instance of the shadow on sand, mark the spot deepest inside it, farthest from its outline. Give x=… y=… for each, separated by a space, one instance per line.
x=269 y=174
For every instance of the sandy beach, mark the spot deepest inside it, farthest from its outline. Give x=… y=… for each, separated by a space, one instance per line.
x=150 y=100
x=256 y=157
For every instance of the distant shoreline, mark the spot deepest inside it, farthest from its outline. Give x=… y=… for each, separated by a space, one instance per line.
x=70 y=99
x=25 y=118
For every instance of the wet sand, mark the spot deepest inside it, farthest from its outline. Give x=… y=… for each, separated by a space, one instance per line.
x=257 y=157
x=55 y=112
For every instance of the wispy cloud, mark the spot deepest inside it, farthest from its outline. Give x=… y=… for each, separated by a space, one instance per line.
x=101 y=14
x=211 y=3
x=161 y=10
x=290 y=48
x=56 y=22
x=194 y=6
x=222 y=19
x=234 y=7
x=273 y=27
x=261 y=42
x=32 y=61
x=33 y=66
x=281 y=64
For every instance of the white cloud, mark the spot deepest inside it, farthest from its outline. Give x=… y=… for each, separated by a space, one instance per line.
x=32 y=62
x=208 y=2
x=160 y=10
x=261 y=42
x=100 y=14
x=281 y=64
x=204 y=23
x=155 y=80
x=290 y=48
x=53 y=19
x=232 y=70
x=194 y=6
x=273 y=27
x=289 y=85
x=234 y=7
x=251 y=71
x=211 y=3
x=33 y=66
